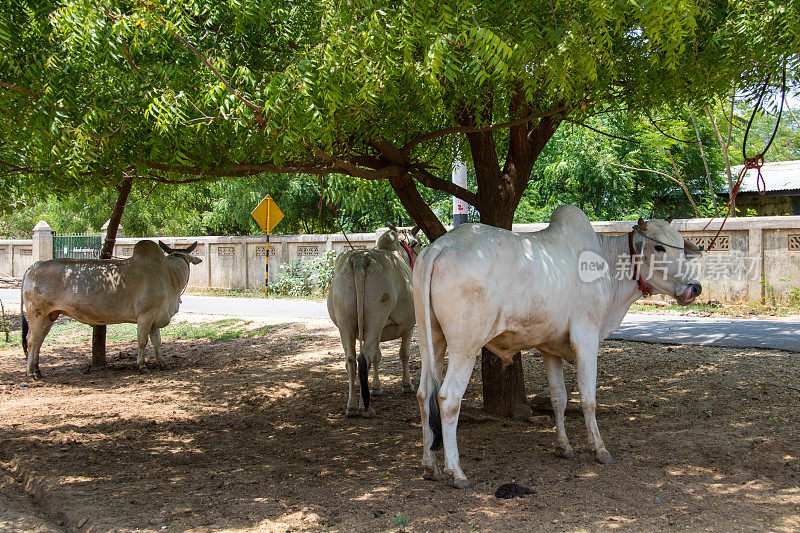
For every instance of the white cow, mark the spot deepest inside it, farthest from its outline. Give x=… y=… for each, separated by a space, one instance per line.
x=144 y=289
x=553 y=290
x=370 y=300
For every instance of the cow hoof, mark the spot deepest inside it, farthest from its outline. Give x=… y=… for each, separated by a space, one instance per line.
x=37 y=372
x=376 y=392
x=605 y=459
x=565 y=452
x=144 y=370
x=432 y=474
x=409 y=388
x=163 y=366
x=350 y=413
x=32 y=377
x=462 y=484
x=369 y=413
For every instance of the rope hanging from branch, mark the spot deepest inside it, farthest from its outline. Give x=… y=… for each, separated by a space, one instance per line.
x=755 y=162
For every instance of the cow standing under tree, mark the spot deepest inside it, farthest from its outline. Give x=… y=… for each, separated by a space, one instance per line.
x=144 y=289
x=484 y=286
x=370 y=299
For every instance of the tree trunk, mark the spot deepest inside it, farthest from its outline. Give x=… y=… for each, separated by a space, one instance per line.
x=503 y=385
x=406 y=189
x=498 y=195
x=99 y=332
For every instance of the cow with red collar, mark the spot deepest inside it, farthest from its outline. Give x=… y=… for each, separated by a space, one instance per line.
x=370 y=300
x=556 y=290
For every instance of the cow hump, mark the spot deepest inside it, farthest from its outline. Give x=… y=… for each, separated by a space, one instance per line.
x=570 y=218
x=147 y=249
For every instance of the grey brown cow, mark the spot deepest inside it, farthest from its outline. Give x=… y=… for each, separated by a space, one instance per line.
x=144 y=289
x=370 y=300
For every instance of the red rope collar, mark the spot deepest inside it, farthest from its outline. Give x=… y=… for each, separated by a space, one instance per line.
x=637 y=274
x=408 y=251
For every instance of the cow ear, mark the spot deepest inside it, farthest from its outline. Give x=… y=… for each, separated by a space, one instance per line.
x=642 y=224
x=391 y=226
x=164 y=247
x=191 y=248
x=691 y=250
x=415 y=230
x=669 y=220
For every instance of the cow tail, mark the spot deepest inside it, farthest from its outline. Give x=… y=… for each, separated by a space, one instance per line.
x=22 y=316
x=429 y=366
x=360 y=263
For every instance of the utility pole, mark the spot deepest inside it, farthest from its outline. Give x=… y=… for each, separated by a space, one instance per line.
x=460 y=209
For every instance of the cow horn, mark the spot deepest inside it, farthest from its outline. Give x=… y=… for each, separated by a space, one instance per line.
x=415 y=230
x=164 y=247
x=191 y=248
x=391 y=226
x=669 y=220
x=641 y=224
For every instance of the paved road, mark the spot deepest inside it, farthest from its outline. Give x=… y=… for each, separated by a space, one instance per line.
x=735 y=333
x=278 y=308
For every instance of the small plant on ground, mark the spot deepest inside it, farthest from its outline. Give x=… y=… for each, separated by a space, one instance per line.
x=794 y=297
x=400 y=521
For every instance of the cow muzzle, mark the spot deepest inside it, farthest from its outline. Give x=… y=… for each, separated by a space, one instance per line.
x=689 y=294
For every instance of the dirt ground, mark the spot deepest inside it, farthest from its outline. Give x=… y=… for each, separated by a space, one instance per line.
x=250 y=434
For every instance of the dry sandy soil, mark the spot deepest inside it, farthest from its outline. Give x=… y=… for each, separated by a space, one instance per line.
x=250 y=434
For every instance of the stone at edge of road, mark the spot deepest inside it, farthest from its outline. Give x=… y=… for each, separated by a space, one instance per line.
x=522 y=411
x=541 y=420
x=657 y=500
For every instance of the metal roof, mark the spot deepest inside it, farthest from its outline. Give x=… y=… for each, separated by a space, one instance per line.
x=778 y=176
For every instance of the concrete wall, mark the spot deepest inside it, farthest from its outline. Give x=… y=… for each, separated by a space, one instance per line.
x=753 y=258
x=15 y=257
x=239 y=262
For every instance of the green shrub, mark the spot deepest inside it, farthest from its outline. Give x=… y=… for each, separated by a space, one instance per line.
x=305 y=278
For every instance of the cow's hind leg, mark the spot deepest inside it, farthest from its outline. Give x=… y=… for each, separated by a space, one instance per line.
x=585 y=343
x=459 y=370
x=349 y=345
x=376 y=389
x=39 y=328
x=155 y=338
x=405 y=346
x=431 y=373
x=371 y=353
x=553 y=365
x=142 y=331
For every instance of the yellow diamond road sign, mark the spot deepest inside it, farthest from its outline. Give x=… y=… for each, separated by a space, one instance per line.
x=267 y=214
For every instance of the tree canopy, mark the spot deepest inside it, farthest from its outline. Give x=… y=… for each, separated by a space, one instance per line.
x=177 y=91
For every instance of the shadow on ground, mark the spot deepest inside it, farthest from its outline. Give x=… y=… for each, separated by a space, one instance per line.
x=251 y=434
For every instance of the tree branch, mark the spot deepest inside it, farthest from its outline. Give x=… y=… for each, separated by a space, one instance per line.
x=705 y=162
x=577 y=123
x=236 y=93
x=665 y=134
x=19 y=89
x=128 y=57
x=434 y=182
x=679 y=182
x=351 y=169
x=240 y=170
x=475 y=129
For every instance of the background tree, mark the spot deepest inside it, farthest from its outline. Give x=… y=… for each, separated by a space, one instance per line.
x=183 y=91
